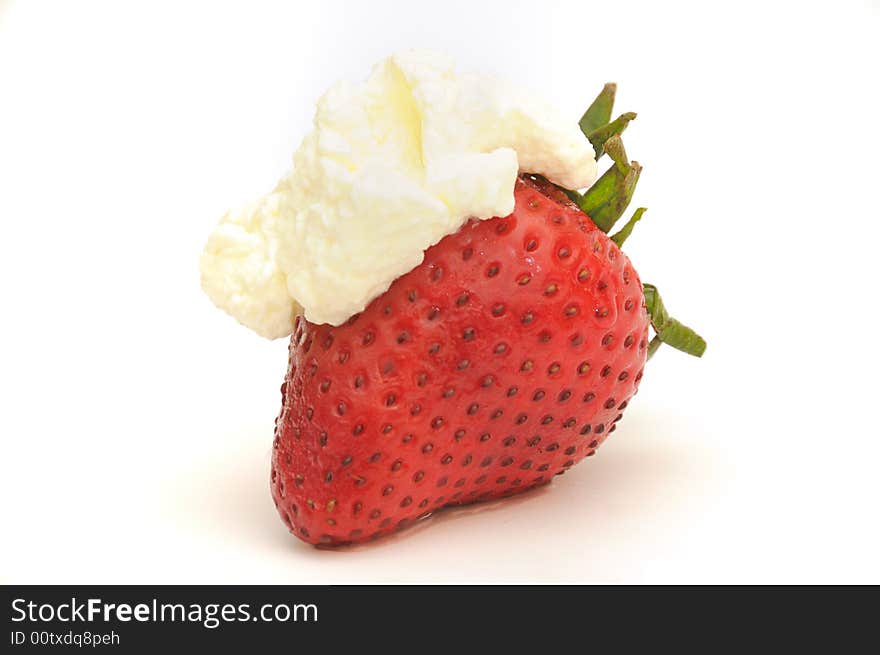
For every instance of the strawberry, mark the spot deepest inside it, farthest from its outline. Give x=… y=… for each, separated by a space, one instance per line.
x=501 y=361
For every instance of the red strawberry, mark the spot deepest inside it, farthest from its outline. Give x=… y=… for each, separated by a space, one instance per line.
x=502 y=360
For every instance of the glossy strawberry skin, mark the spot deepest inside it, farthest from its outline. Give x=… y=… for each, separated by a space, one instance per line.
x=502 y=360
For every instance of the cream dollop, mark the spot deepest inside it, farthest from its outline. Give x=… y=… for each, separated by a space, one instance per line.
x=393 y=164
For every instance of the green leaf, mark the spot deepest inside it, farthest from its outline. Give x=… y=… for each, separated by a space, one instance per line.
x=608 y=198
x=614 y=148
x=599 y=113
x=627 y=229
x=601 y=134
x=669 y=330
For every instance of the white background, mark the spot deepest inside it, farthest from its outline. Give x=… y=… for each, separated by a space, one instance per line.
x=136 y=419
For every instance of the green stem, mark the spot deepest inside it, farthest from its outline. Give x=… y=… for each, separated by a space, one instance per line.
x=627 y=229
x=669 y=330
x=599 y=112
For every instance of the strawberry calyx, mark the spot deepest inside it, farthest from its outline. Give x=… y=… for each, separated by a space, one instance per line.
x=600 y=136
x=669 y=330
x=607 y=200
x=596 y=123
x=599 y=111
x=623 y=234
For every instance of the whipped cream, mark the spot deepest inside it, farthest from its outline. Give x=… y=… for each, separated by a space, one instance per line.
x=393 y=164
